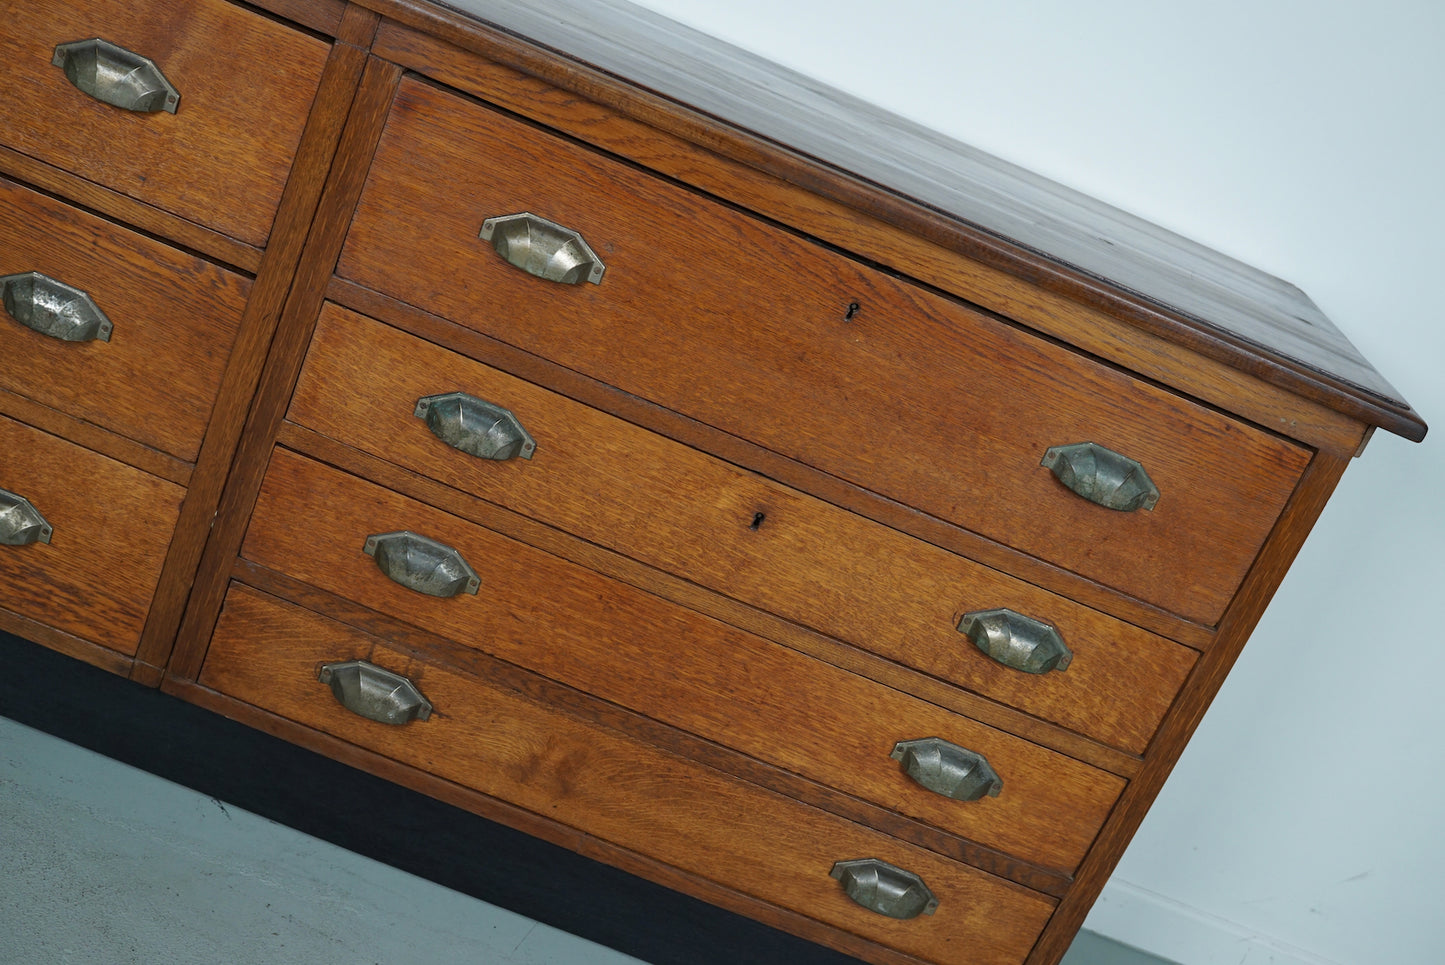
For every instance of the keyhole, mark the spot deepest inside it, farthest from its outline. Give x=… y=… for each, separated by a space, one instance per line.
x=757 y=521
x=853 y=309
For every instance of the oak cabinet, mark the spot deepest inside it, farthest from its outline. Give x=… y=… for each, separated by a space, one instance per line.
x=846 y=530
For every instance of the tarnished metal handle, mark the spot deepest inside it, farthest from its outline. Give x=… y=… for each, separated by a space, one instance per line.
x=948 y=769
x=475 y=426
x=888 y=890
x=116 y=76
x=543 y=248
x=1102 y=476
x=374 y=693
x=1016 y=641
x=422 y=564
x=20 y=522
x=53 y=308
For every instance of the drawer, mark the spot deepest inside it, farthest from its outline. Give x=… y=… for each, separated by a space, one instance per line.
x=758 y=332
x=643 y=495
x=245 y=82
x=637 y=650
x=622 y=791
x=111 y=526
x=174 y=319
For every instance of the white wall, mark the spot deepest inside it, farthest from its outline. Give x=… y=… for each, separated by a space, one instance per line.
x=1306 y=138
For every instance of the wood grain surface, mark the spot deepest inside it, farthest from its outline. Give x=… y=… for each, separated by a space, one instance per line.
x=88 y=435
x=96 y=576
x=681 y=591
x=618 y=789
x=789 y=472
x=146 y=217
x=673 y=507
x=324 y=16
x=175 y=319
x=752 y=330
x=678 y=666
x=443 y=652
x=626 y=646
x=246 y=83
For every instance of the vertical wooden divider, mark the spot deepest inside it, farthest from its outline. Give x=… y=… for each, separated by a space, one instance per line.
x=363 y=128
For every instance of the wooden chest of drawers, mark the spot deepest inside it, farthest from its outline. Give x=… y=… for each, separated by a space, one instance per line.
x=851 y=551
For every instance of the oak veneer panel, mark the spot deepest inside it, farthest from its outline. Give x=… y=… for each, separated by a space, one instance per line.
x=90 y=436
x=324 y=16
x=460 y=658
x=729 y=448
x=674 y=588
x=678 y=666
x=676 y=508
x=604 y=784
x=246 y=83
x=749 y=329
x=175 y=318
x=146 y=217
x=112 y=525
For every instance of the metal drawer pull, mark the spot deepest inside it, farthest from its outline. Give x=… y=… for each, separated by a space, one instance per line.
x=1016 y=641
x=543 y=248
x=53 y=308
x=422 y=564
x=947 y=769
x=879 y=886
x=475 y=426
x=21 y=523
x=115 y=76
x=1102 y=476
x=376 y=694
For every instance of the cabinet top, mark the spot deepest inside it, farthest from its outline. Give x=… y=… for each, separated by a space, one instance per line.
x=973 y=202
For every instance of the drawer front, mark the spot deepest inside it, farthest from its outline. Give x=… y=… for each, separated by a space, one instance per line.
x=245 y=82
x=637 y=650
x=766 y=336
x=173 y=316
x=111 y=526
x=619 y=790
x=614 y=484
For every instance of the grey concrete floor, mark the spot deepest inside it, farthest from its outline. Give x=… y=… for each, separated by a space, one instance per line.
x=103 y=864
